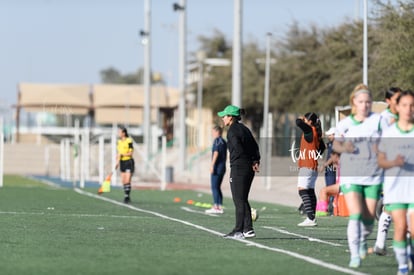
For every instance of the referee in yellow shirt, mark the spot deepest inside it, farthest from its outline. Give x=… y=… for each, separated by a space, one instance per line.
x=125 y=161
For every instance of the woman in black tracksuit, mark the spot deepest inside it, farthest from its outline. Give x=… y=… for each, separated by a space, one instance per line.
x=244 y=162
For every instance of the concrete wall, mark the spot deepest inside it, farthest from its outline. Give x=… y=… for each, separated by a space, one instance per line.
x=29 y=159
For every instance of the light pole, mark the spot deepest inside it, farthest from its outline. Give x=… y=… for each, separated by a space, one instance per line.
x=201 y=56
x=146 y=41
x=266 y=133
x=267 y=85
x=365 y=58
x=237 y=73
x=182 y=60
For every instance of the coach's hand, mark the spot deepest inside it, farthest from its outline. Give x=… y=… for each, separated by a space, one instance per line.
x=256 y=166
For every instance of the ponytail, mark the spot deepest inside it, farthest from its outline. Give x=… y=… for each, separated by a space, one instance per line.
x=314 y=119
x=242 y=112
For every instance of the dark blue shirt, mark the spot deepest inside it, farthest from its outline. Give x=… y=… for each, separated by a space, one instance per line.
x=220 y=146
x=330 y=173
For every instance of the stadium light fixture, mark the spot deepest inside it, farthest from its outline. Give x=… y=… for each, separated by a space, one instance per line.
x=178 y=7
x=144 y=37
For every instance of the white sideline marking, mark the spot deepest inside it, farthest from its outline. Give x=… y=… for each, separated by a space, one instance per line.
x=69 y=215
x=301 y=236
x=247 y=242
x=21 y=213
x=196 y=211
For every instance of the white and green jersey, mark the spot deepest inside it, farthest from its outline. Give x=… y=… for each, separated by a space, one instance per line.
x=360 y=167
x=387 y=119
x=398 y=181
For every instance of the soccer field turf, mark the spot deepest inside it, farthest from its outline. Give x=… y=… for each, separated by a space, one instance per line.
x=50 y=230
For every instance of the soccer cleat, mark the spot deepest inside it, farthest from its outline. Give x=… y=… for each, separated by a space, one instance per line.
x=379 y=251
x=308 y=223
x=214 y=210
x=234 y=235
x=249 y=234
x=355 y=262
x=127 y=200
x=363 y=250
x=402 y=271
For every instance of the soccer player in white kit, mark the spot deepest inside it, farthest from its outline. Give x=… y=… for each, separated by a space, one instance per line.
x=396 y=155
x=356 y=139
x=388 y=117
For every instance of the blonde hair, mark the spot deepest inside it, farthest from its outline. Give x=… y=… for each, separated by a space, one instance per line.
x=359 y=89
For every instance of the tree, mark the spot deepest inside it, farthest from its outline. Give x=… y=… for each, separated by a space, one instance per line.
x=315 y=69
x=217 y=80
x=113 y=76
x=393 y=62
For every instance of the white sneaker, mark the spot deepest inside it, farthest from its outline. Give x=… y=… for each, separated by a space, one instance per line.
x=308 y=222
x=214 y=211
x=249 y=234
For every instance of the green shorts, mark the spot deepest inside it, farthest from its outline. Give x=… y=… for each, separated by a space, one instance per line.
x=398 y=206
x=367 y=191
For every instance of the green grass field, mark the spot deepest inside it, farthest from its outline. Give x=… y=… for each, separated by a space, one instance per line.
x=48 y=230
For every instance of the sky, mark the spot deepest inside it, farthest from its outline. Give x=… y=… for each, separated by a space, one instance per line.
x=71 y=41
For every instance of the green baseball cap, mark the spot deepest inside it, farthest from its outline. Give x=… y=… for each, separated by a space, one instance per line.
x=230 y=110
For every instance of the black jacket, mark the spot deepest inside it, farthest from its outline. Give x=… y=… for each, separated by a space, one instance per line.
x=242 y=145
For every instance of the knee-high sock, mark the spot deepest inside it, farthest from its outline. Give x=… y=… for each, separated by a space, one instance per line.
x=312 y=196
x=127 y=190
x=307 y=203
x=322 y=206
x=384 y=223
x=400 y=250
x=354 y=235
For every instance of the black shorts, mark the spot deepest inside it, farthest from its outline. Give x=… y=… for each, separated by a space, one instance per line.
x=127 y=166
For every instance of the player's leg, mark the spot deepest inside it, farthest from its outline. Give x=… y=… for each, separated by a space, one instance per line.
x=216 y=192
x=324 y=195
x=399 y=216
x=353 y=198
x=126 y=179
x=410 y=236
x=384 y=224
x=371 y=195
x=306 y=184
x=322 y=204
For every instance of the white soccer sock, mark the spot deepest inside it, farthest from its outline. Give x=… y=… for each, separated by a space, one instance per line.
x=354 y=235
x=384 y=223
x=400 y=253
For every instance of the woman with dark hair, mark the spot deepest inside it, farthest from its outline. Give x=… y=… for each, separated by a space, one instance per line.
x=125 y=161
x=311 y=148
x=396 y=156
x=388 y=117
x=244 y=162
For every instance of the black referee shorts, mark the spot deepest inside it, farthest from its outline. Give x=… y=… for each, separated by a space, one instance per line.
x=127 y=166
